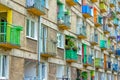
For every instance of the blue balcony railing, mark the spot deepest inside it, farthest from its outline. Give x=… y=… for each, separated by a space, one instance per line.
x=118 y=52
x=109 y=65
x=86 y=11
x=118 y=38
x=115 y=67
x=87 y=60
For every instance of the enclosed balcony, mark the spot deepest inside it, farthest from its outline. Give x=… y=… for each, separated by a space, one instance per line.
x=81 y=32
x=87 y=60
x=103 y=7
x=64 y=22
x=94 y=39
x=108 y=65
x=93 y=1
x=9 y=35
x=119 y=2
x=115 y=67
x=98 y=63
x=49 y=48
x=72 y=2
x=86 y=11
x=112 y=35
x=106 y=29
x=118 y=52
x=36 y=7
x=118 y=39
x=98 y=21
x=112 y=3
x=71 y=55
x=111 y=49
x=103 y=44
x=116 y=22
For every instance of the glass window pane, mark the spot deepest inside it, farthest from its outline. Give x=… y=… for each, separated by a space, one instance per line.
x=27 y=29
x=32 y=29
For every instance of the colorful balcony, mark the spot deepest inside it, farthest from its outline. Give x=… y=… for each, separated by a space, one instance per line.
x=118 y=10
x=36 y=7
x=71 y=56
x=72 y=2
x=94 y=40
x=93 y=1
x=49 y=48
x=87 y=60
x=115 y=67
x=111 y=49
x=118 y=52
x=86 y=11
x=103 y=7
x=112 y=35
x=9 y=35
x=106 y=29
x=112 y=3
x=119 y=2
x=82 y=32
x=64 y=22
x=116 y=22
x=103 y=44
x=118 y=39
x=98 y=63
x=99 y=21
x=109 y=64
x=110 y=24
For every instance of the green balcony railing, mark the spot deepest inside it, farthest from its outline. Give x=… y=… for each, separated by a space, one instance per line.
x=71 y=55
x=36 y=6
x=9 y=34
x=103 y=44
x=98 y=63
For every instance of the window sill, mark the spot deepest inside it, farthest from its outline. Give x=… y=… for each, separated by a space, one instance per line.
x=31 y=38
x=60 y=48
x=3 y=78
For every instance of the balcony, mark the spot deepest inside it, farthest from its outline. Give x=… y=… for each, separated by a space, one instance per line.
x=116 y=22
x=64 y=22
x=112 y=3
x=72 y=2
x=36 y=7
x=119 y=2
x=71 y=56
x=111 y=49
x=98 y=21
x=118 y=10
x=103 y=44
x=112 y=35
x=103 y=7
x=62 y=78
x=98 y=63
x=87 y=60
x=49 y=48
x=82 y=32
x=86 y=11
x=110 y=24
x=93 y=1
x=9 y=35
x=106 y=29
x=94 y=40
x=108 y=66
x=118 y=52
x=118 y=39
x=115 y=67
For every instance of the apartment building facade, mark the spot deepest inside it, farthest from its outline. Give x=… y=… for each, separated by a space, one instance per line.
x=76 y=39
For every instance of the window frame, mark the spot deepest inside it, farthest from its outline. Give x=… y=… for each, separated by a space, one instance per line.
x=1 y=67
x=60 y=40
x=28 y=35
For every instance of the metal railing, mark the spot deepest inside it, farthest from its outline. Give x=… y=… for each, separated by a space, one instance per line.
x=88 y=59
x=81 y=30
x=94 y=38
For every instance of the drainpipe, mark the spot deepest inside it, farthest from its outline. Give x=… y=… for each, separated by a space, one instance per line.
x=39 y=50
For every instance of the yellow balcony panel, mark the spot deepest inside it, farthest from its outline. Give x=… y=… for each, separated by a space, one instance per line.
x=71 y=2
x=112 y=5
x=63 y=27
x=103 y=7
x=47 y=54
x=93 y=1
x=97 y=25
x=86 y=15
x=8 y=45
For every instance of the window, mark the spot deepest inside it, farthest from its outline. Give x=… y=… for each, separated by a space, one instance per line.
x=67 y=73
x=31 y=30
x=43 y=69
x=43 y=38
x=60 y=40
x=45 y=3
x=60 y=72
x=79 y=48
x=3 y=66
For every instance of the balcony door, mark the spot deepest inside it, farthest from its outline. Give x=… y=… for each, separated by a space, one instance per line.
x=43 y=38
x=3 y=16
